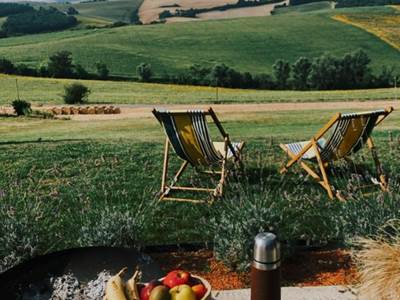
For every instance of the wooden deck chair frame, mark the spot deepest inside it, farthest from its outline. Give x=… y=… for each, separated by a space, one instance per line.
x=222 y=172
x=322 y=176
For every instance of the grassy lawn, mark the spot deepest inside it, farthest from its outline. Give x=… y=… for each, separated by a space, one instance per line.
x=49 y=91
x=248 y=44
x=61 y=179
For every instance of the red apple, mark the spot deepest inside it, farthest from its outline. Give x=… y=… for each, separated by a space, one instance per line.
x=175 y=278
x=200 y=290
x=146 y=290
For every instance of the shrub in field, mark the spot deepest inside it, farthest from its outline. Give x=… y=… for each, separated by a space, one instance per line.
x=117 y=225
x=293 y=216
x=6 y=66
x=21 y=107
x=80 y=72
x=282 y=73
x=102 y=71
x=60 y=65
x=364 y=215
x=76 y=93
x=301 y=70
x=144 y=72
x=71 y=11
x=25 y=230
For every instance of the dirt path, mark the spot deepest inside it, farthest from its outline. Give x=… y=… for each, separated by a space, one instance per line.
x=137 y=111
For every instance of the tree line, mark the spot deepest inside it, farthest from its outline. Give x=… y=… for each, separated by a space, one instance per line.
x=326 y=72
x=353 y=3
x=350 y=3
x=8 y=9
x=59 y=65
x=36 y=21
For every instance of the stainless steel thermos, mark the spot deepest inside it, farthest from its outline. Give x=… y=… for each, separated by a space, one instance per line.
x=265 y=269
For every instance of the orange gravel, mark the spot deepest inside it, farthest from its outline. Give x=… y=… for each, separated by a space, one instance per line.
x=309 y=268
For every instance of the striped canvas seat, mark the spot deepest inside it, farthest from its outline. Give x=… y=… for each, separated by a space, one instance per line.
x=220 y=147
x=348 y=135
x=310 y=154
x=343 y=135
x=188 y=134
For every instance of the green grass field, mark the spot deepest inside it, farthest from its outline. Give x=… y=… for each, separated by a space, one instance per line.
x=249 y=44
x=62 y=178
x=111 y=11
x=49 y=91
x=382 y=24
x=85 y=21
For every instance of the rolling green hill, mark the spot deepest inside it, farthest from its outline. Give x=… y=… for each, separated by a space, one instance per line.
x=112 y=11
x=249 y=44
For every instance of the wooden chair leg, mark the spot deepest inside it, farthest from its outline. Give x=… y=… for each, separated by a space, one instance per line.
x=175 y=180
x=220 y=187
x=302 y=164
x=325 y=182
x=378 y=166
x=165 y=166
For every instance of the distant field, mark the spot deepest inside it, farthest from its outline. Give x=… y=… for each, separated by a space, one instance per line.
x=91 y=21
x=247 y=44
x=48 y=91
x=252 y=11
x=309 y=7
x=114 y=10
x=385 y=25
x=150 y=9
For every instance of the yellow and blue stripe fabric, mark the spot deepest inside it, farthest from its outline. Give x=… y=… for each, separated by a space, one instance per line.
x=348 y=136
x=189 y=136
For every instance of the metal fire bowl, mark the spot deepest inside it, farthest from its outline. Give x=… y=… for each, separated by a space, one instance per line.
x=83 y=263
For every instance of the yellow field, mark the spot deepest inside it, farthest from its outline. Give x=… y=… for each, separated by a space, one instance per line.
x=385 y=26
x=92 y=21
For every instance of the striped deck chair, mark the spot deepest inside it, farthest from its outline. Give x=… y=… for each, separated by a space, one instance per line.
x=187 y=132
x=346 y=134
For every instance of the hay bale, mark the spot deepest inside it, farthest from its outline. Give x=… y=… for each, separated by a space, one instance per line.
x=65 y=110
x=74 y=110
x=83 y=110
x=91 y=110
x=56 y=110
x=108 y=110
x=116 y=110
x=99 y=110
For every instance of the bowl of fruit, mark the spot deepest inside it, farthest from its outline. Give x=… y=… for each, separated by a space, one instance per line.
x=176 y=285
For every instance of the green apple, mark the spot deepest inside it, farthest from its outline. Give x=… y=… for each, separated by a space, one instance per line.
x=182 y=292
x=160 y=292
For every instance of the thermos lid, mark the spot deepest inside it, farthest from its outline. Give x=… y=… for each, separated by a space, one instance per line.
x=266 y=248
